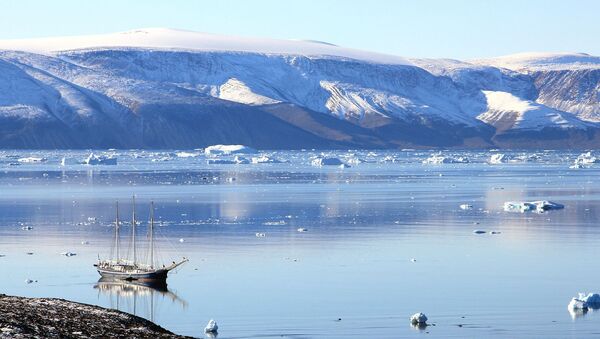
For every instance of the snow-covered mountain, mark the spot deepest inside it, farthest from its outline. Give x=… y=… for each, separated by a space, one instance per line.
x=170 y=88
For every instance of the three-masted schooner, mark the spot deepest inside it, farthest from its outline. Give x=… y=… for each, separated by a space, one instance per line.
x=124 y=269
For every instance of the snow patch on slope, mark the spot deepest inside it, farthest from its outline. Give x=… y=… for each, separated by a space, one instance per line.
x=237 y=91
x=507 y=111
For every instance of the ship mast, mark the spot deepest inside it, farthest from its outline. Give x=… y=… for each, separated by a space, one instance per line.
x=117 y=234
x=152 y=234
x=133 y=232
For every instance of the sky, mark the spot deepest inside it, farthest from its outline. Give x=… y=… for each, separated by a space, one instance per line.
x=461 y=29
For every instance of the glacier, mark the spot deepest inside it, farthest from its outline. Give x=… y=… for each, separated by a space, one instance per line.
x=165 y=88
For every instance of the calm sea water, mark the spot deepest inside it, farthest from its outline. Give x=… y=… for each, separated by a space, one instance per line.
x=386 y=238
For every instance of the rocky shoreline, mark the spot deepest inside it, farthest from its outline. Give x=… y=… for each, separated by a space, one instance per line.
x=57 y=318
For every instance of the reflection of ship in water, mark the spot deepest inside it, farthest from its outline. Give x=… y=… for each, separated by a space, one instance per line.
x=139 y=298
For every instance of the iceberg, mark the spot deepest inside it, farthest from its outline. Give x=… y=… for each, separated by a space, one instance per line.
x=328 y=161
x=585 y=301
x=93 y=159
x=500 y=159
x=584 y=160
x=228 y=149
x=437 y=159
x=539 y=206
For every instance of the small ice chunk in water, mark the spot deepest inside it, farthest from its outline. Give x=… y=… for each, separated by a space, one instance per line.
x=26 y=228
x=181 y=240
x=211 y=327
x=479 y=231
x=28 y=281
x=466 y=207
x=85 y=242
x=302 y=230
x=418 y=319
x=68 y=254
x=260 y=235
x=539 y=206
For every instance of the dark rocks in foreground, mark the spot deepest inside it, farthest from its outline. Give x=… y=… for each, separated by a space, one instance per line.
x=57 y=318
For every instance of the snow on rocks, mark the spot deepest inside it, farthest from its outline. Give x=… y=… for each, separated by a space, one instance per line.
x=500 y=159
x=418 y=319
x=93 y=159
x=216 y=150
x=328 y=161
x=437 y=159
x=211 y=327
x=539 y=206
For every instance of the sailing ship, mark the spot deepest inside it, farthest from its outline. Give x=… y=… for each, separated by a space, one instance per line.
x=135 y=270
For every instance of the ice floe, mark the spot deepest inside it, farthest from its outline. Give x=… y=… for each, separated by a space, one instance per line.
x=539 y=206
x=466 y=207
x=187 y=154
x=265 y=159
x=32 y=160
x=228 y=149
x=302 y=229
x=437 y=159
x=93 y=159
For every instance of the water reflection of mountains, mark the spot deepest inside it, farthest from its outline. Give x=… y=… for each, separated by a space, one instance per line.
x=143 y=299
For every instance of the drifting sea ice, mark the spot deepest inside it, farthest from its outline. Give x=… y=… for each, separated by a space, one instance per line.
x=211 y=327
x=584 y=160
x=539 y=206
x=93 y=159
x=585 y=301
x=466 y=207
x=32 y=160
x=187 y=154
x=500 y=159
x=228 y=149
x=265 y=159
x=437 y=159
x=418 y=319
x=328 y=161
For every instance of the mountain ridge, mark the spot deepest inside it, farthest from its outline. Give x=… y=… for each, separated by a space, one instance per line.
x=263 y=94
